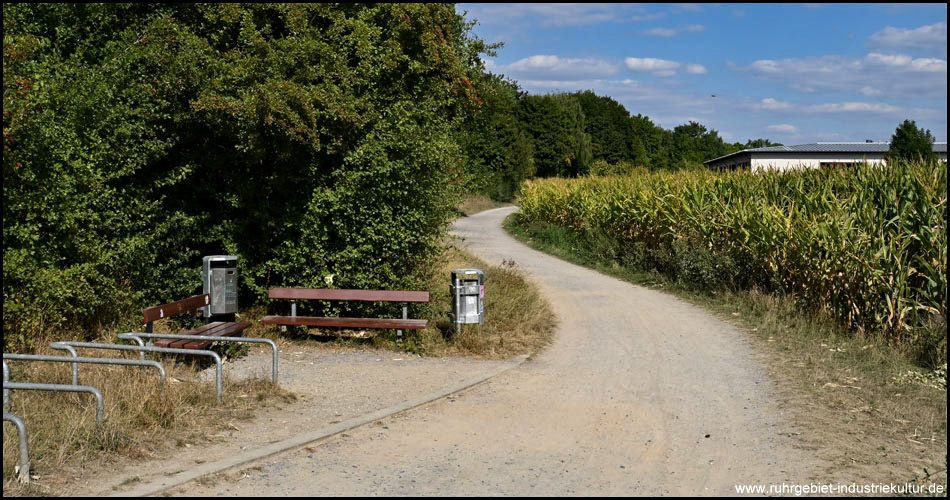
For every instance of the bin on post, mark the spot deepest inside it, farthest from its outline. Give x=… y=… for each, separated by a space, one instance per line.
x=219 y=279
x=467 y=293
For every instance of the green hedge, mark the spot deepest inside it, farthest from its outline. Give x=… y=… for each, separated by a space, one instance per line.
x=310 y=140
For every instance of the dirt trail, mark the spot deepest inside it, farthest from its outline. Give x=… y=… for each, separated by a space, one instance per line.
x=640 y=394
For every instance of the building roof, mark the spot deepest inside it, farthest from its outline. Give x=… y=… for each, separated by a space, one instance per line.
x=828 y=147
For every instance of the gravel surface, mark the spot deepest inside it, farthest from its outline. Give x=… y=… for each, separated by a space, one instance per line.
x=639 y=394
x=333 y=385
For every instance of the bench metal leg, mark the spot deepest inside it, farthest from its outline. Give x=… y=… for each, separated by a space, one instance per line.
x=405 y=315
x=293 y=314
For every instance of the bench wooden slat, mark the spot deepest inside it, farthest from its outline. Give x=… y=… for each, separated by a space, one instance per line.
x=214 y=329
x=176 y=308
x=364 y=295
x=408 y=324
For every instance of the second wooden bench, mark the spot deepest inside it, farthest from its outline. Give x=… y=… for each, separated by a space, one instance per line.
x=295 y=294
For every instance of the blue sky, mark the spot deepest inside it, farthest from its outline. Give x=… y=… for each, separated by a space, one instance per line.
x=792 y=73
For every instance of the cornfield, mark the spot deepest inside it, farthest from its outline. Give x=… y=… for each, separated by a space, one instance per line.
x=867 y=245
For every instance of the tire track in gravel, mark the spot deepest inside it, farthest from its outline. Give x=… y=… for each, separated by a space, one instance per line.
x=639 y=394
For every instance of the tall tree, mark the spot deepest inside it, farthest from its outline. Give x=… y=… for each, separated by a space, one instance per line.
x=498 y=152
x=911 y=143
x=650 y=138
x=555 y=123
x=608 y=124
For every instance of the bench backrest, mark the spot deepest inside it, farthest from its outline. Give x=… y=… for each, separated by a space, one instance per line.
x=175 y=308
x=364 y=295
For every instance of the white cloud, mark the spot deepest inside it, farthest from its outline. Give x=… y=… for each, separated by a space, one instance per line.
x=643 y=16
x=773 y=104
x=556 y=14
x=876 y=74
x=649 y=17
x=671 y=32
x=848 y=107
x=650 y=64
x=907 y=62
x=854 y=107
x=554 y=67
x=662 y=67
x=930 y=38
x=664 y=32
x=783 y=128
x=696 y=69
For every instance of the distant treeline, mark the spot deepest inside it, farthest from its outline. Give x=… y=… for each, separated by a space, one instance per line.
x=516 y=136
x=310 y=140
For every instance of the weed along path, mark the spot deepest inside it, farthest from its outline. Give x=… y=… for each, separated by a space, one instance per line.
x=639 y=394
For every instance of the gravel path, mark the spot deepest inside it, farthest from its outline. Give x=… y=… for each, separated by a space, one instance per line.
x=335 y=386
x=640 y=394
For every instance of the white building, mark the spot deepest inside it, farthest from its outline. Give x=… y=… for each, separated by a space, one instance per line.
x=817 y=155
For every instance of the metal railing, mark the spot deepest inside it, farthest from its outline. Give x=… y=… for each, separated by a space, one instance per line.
x=30 y=386
x=6 y=392
x=70 y=347
x=76 y=360
x=137 y=336
x=23 y=475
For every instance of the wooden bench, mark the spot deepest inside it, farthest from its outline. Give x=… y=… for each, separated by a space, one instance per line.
x=191 y=304
x=295 y=294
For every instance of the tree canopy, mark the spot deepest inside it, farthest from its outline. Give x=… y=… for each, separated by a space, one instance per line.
x=911 y=143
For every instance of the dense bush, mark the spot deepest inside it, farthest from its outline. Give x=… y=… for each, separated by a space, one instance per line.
x=311 y=140
x=867 y=245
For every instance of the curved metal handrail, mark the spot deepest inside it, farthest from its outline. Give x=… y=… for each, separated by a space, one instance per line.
x=76 y=360
x=137 y=336
x=70 y=347
x=23 y=474
x=30 y=386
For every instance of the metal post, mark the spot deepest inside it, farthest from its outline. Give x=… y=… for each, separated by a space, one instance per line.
x=6 y=393
x=24 y=473
x=405 y=315
x=458 y=307
x=293 y=314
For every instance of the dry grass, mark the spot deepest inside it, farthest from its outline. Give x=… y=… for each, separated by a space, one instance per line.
x=849 y=395
x=517 y=319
